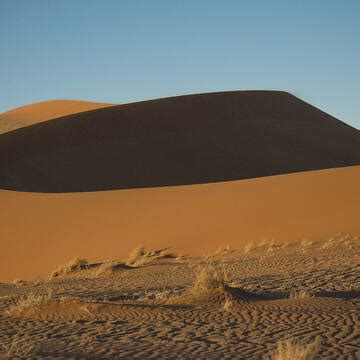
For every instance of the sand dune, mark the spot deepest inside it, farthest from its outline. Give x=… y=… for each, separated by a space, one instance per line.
x=41 y=231
x=175 y=141
x=46 y=110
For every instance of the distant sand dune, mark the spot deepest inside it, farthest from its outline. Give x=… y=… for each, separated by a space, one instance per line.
x=176 y=141
x=46 y=110
x=39 y=232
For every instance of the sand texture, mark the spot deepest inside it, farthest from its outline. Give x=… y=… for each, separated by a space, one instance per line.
x=151 y=311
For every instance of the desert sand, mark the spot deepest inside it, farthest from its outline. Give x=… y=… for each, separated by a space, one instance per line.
x=243 y=210
x=307 y=291
x=46 y=110
x=194 y=219
x=176 y=141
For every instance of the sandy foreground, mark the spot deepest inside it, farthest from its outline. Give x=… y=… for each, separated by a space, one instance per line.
x=307 y=290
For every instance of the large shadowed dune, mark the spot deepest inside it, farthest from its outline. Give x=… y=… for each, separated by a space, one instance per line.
x=46 y=110
x=175 y=141
x=38 y=232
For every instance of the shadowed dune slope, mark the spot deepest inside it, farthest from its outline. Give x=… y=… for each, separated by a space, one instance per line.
x=46 y=110
x=38 y=232
x=175 y=141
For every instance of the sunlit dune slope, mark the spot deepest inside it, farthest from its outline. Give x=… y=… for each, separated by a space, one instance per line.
x=40 y=231
x=175 y=141
x=43 y=111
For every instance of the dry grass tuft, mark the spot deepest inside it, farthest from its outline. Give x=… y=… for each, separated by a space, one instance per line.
x=223 y=250
x=229 y=302
x=209 y=278
x=19 y=346
x=28 y=302
x=19 y=282
x=248 y=247
x=110 y=267
x=180 y=257
x=300 y=294
x=341 y=239
x=220 y=252
x=293 y=349
x=139 y=257
x=305 y=242
x=135 y=255
x=74 y=265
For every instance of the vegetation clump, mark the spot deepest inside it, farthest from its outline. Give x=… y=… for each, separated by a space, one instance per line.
x=300 y=294
x=74 y=265
x=140 y=257
x=293 y=349
x=29 y=301
x=209 y=278
x=109 y=267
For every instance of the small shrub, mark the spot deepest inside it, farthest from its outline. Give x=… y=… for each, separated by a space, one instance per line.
x=248 y=247
x=180 y=257
x=223 y=250
x=28 y=302
x=139 y=257
x=74 y=265
x=229 y=303
x=300 y=294
x=305 y=242
x=135 y=255
x=109 y=267
x=209 y=278
x=19 y=282
x=293 y=349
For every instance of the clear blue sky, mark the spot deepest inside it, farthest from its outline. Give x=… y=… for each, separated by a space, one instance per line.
x=123 y=51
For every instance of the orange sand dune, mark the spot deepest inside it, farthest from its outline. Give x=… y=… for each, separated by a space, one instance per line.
x=183 y=140
x=43 y=111
x=40 y=231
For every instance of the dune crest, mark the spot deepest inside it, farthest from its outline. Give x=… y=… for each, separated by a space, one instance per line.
x=176 y=141
x=46 y=110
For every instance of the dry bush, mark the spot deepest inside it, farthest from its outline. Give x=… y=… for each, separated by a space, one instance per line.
x=299 y=294
x=229 y=302
x=19 y=346
x=163 y=295
x=223 y=250
x=139 y=257
x=293 y=349
x=135 y=255
x=305 y=242
x=19 y=282
x=209 y=278
x=38 y=282
x=180 y=257
x=74 y=265
x=248 y=247
x=109 y=267
x=340 y=239
x=28 y=302
x=349 y=245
